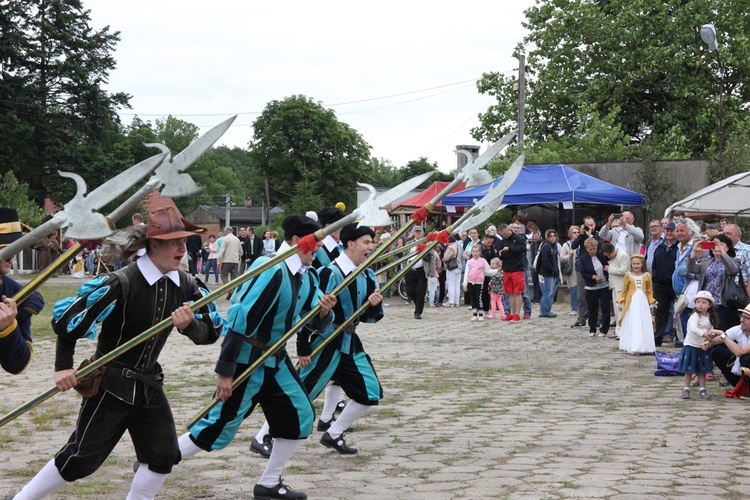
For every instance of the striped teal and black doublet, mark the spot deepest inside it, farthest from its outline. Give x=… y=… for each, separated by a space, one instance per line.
x=262 y=310
x=325 y=257
x=344 y=359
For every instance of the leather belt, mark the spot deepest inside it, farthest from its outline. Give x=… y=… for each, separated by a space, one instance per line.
x=153 y=380
x=264 y=347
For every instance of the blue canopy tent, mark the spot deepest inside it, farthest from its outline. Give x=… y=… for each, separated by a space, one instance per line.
x=540 y=184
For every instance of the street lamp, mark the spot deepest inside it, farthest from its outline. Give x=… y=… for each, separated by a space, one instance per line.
x=708 y=35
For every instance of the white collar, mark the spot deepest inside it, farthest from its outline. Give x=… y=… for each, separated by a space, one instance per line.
x=294 y=263
x=152 y=274
x=330 y=243
x=345 y=263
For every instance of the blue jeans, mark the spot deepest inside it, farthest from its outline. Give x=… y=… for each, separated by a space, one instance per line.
x=211 y=264
x=574 y=298
x=548 y=286
x=526 y=296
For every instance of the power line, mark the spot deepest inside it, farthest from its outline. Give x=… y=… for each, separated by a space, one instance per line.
x=473 y=80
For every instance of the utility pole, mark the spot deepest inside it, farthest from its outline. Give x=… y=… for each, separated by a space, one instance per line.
x=266 y=214
x=521 y=97
x=228 y=201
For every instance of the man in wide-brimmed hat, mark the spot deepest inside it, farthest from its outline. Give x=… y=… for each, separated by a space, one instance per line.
x=15 y=319
x=128 y=396
x=262 y=311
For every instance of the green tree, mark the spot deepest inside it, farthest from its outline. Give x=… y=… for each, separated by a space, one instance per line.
x=175 y=133
x=422 y=166
x=221 y=171
x=16 y=194
x=382 y=173
x=643 y=60
x=54 y=113
x=298 y=145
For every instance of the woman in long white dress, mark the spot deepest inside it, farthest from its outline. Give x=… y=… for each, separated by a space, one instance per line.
x=636 y=302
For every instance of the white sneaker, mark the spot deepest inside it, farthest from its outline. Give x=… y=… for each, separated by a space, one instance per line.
x=481 y=318
x=573 y=313
x=473 y=318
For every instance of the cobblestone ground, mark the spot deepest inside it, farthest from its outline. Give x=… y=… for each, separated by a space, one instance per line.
x=471 y=410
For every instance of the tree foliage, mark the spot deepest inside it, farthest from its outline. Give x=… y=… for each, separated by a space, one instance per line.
x=638 y=62
x=54 y=113
x=16 y=194
x=308 y=156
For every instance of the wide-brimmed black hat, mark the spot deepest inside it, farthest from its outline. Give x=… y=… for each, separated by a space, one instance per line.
x=10 y=226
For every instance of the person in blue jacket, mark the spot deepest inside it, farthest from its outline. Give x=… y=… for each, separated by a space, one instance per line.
x=16 y=348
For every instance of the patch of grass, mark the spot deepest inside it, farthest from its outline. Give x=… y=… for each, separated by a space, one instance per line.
x=44 y=421
x=41 y=327
x=389 y=412
x=87 y=487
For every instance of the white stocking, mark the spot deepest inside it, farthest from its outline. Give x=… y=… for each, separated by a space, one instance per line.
x=187 y=447
x=45 y=482
x=351 y=413
x=262 y=432
x=145 y=484
x=333 y=394
x=283 y=449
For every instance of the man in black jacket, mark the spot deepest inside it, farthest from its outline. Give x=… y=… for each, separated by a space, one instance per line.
x=194 y=245
x=252 y=248
x=665 y=257
x=512 y=252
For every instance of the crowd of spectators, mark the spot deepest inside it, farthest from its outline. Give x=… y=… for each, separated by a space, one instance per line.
x=676 y=259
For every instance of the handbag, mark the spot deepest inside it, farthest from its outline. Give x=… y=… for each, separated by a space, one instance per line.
x=680 y=304
x=566 y=267
x=452 y=264
x=734 y=295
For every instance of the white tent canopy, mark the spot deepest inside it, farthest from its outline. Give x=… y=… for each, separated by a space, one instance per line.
x=728 y=197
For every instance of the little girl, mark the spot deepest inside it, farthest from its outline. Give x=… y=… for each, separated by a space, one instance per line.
x=637 y=332
x=476 y=269
x=496 y=289
x=694 y=358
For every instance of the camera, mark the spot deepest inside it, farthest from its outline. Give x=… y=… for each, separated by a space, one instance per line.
x=708 y=245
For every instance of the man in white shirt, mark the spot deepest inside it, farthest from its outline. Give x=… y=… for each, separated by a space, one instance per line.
x=627 y=237
x=734 y=343
x=229 y=256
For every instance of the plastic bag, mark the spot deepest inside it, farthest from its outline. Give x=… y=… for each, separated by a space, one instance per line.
x=666 y=364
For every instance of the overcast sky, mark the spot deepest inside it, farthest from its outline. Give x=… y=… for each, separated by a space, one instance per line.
x=400 y=73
